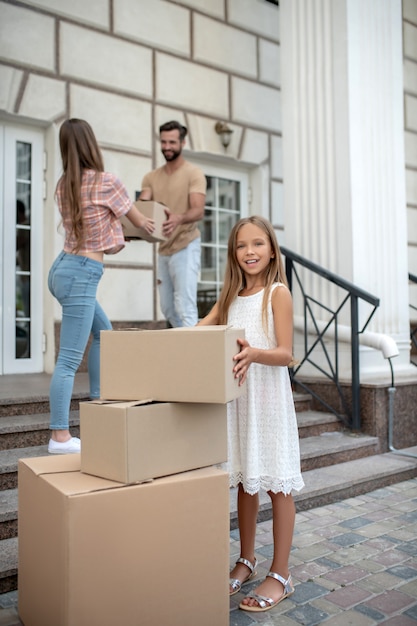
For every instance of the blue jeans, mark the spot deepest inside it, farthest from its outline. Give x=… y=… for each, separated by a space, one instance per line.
x=73 y=281
x=178 y=275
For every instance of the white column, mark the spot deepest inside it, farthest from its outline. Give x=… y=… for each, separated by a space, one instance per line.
x=343 y=153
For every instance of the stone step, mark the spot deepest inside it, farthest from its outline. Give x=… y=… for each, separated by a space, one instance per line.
x=8 y=514
x=22 y=431
x=322 y=486
x=325 y=485
x=330 y=448
x=9 y=462
x=318 y=451
x=25 y=394
x=8 y=565
x=312 y=423
x=323 y=449
x=10 y=407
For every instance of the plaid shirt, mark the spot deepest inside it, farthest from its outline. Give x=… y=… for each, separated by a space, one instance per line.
x=104 y=200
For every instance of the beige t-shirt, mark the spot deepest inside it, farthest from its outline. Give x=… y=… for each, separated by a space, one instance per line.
x=173 y=190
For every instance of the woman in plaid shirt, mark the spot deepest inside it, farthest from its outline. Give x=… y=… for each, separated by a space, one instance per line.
x=91 y=203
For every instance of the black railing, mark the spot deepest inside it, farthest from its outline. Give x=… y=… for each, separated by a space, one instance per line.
x=316 y=334
x=413 y=332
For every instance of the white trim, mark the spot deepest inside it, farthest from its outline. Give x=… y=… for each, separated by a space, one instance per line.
x=9 y=363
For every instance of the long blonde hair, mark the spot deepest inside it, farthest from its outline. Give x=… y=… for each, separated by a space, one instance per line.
x=234 y=278
x=79 y=151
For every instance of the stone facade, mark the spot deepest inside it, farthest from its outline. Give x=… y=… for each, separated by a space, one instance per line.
x=129 y=65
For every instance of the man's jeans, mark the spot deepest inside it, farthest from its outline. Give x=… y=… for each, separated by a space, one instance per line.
x=178 y=275
x=73 y=281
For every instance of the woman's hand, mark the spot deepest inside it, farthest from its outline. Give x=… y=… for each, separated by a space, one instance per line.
x=148 y=224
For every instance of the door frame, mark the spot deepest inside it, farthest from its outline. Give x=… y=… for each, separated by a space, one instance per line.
x=10 y=134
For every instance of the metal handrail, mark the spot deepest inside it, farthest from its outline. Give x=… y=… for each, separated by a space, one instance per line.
x=349 y=416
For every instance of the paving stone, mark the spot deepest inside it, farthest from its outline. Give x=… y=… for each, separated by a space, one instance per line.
x=400 y=620
x=305 y=592
x=369 y=565
x=409 y=588
x=355 y=522
x=412 y=612
x=405 y=534
x=267 y=551
x=384 y=580
x=390 y=557
x=409 y=548
x=378 y=528
x=347 y=597
x=240 y=618
x=329 y=563
x=347 y=539
x=403 y=571
x=409 y=517
x=390 y=602
x=308 y=571
x=380 y=544
x=308 y=615
x=347 y=575
x=9 y=617
x=306 y=539
x=327 y=607
x=311 y=553
x=379 y=514
x=351 y=618
x=369 y=612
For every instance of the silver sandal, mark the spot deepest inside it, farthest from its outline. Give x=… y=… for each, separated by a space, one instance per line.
x=264 y=603
x=235 y=583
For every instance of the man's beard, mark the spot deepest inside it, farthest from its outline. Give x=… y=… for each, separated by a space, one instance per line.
x=174 y=154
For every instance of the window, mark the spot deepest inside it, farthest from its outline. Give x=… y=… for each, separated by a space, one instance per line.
x=225 y=195
x=23 y=226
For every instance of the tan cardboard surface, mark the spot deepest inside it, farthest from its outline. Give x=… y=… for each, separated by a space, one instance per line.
x=101 y=554
x=151 y=209
x=54 y=463
x=172 y=365
x=133 y=443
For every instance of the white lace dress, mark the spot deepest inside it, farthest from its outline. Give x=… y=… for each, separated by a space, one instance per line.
x=263 y=446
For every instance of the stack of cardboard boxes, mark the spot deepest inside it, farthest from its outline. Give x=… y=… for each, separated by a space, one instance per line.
x=135 y=530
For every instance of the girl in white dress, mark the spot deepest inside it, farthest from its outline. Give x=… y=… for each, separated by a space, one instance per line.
x=263 y=446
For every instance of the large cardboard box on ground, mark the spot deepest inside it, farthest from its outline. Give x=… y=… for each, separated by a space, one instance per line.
x=193 y=364
x=131 y=442
x=151 y=209
x=93 y=552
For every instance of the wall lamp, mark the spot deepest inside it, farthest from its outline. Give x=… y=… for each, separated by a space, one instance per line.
x=224 y=132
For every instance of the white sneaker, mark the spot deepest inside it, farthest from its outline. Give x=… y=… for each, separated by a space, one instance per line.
x=72 y=446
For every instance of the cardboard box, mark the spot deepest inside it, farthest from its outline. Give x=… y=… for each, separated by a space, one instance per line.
x=190 y=364
x=93 y=552
x=131 y=442
x=149 y=208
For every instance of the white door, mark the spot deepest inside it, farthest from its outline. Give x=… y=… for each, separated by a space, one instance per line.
x=21 y=182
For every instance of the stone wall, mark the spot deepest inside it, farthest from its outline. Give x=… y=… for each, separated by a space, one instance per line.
x=375 y=410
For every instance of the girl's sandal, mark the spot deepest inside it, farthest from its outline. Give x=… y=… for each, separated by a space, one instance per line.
x=264 y=603
x=235 y=583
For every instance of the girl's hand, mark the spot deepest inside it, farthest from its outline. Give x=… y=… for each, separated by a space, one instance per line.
x=243 y=359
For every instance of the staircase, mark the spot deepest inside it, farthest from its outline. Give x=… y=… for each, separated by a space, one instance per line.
x=335 y=464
